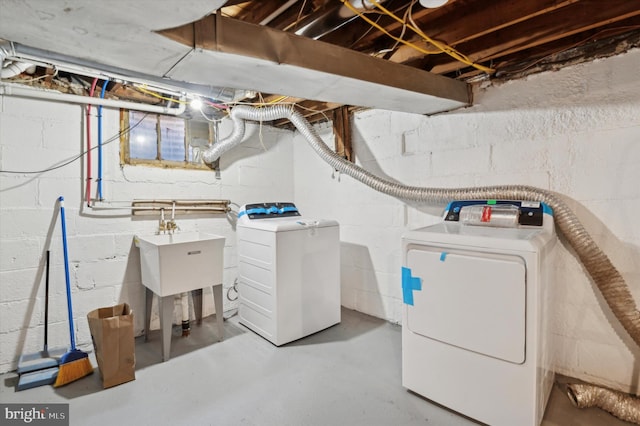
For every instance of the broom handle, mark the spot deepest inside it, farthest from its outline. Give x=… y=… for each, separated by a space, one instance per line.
x=46 y=303
x=66 y=272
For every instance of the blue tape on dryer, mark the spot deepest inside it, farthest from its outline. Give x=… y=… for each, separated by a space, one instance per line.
x=409 y=285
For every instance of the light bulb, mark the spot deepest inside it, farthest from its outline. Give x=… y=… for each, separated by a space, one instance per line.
x=432 y=4
x=196 y=104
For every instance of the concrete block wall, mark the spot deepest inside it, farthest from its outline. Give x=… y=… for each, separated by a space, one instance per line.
x=575 y=131
x=104 y=263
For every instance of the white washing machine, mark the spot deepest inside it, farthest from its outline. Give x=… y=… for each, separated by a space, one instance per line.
x=289 y=272
x=475 y=331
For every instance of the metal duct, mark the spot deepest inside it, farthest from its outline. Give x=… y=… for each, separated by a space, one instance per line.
x=329 y=19
x=268 y=60
x=606 y=276
x=624 y=407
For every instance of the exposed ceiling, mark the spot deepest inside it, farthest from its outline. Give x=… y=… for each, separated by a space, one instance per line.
x=512 y=37
x=496 y=39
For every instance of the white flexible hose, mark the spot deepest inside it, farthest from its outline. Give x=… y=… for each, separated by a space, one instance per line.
x=606 y=276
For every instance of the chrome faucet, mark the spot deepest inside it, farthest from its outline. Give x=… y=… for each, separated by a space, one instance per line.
x=162 y=227
x=171 y=225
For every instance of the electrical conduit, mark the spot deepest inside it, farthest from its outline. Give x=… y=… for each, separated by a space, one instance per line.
x=88 y=188
x=608 y=279
x=10 y=89
x=99 y=180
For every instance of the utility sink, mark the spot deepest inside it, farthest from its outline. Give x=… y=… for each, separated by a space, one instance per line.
x=180 y=262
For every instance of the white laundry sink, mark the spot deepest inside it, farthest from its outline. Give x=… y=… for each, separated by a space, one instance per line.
x=180 y=262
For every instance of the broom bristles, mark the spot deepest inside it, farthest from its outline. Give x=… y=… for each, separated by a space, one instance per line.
x=72 y=371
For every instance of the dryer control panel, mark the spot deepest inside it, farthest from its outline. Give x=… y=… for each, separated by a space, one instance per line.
x=505 y=213
x=268 y=210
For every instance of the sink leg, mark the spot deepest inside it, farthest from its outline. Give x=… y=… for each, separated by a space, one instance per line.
x=166 y=306
x=147 y=312
x=197 y=304
x=217 y=301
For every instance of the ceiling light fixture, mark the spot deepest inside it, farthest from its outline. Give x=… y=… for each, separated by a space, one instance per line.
x=432 y=4
x=196 y=104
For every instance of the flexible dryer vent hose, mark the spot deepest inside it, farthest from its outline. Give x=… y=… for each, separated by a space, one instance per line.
x=624 y=407
x=612 y=285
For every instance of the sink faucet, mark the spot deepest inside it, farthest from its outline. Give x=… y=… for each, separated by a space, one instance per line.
x=171 y=225
x=162 y=227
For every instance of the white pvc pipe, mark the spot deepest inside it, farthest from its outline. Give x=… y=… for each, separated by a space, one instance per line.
x=24 y=92
x=278 y=12
x=14 y=68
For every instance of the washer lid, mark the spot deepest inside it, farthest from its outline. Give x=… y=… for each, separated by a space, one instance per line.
x=282 y=224
x=473 y=300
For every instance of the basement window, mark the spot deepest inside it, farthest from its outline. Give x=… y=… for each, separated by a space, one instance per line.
x=164 y=141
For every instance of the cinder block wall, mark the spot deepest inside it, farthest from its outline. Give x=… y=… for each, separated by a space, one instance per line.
x=575 y=131
x=104 y=263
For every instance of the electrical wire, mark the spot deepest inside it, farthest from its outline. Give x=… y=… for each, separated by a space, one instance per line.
x=215 y=105
x=115 y=137
x=441 y=46
x=277 y=100
x=405 y=18
x=157 y=95
x=89 y=149
x=304 y=4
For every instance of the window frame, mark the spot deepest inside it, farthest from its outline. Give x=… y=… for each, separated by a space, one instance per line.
x=125 y=158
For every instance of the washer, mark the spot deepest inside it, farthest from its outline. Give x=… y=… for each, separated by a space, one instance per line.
x=475 y=335
x=289 y=272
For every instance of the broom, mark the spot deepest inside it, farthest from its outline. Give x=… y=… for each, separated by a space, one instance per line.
x=74 y=364
x=40 y=368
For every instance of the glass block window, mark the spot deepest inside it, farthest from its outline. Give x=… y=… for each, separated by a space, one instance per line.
x=164 y=141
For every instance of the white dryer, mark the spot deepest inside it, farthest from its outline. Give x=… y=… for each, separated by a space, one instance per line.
x=288 y=272
x=475 y=335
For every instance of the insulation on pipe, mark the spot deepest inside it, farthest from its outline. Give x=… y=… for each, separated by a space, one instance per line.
x=624 y=407
x=608 y=279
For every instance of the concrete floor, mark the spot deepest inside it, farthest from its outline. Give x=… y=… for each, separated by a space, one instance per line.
x=349 y=374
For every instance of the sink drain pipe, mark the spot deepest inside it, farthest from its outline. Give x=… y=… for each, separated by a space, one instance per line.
x=608 y=279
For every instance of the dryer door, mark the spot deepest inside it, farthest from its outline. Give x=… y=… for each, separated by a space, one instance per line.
x=473 y=300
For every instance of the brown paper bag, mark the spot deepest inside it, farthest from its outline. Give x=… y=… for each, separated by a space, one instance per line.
x=112 y=334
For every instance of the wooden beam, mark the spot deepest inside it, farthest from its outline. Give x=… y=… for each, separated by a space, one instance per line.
x=567 y=21
x=457 y=22
x=258 y=10
x=312 y=111
x=597 y=43
x=342 y=132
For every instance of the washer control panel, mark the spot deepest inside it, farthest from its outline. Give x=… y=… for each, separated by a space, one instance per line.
x=269 y=210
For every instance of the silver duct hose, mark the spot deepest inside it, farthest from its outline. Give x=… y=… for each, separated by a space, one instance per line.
x=608 y=279
x=624 y=407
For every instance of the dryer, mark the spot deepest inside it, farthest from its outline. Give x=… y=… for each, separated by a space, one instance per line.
x=288 y=272
x=475 y=324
